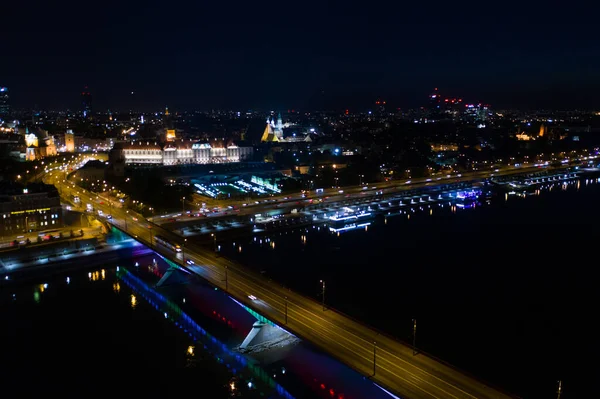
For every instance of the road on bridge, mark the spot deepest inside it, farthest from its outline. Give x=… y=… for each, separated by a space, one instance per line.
x=348 y=340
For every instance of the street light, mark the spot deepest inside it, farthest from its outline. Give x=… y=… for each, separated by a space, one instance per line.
x=414 y=337
x=559 y=391
x=214 y=236
x=183 y=252
x=126 y=214
x=323 y=292
x=374 y=357
x=182 y=206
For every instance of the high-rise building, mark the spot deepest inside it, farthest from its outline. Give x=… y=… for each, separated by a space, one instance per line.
x=86 y=102
x=4 y=104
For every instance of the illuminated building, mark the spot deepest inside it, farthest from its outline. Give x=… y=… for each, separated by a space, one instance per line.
x=29 y=208
x=273 y=132
x=69 y=141
x=169 y=129
x=39 y=145
x=86 y=102
x=4 y=104
x=524 y=137
x=181 y=152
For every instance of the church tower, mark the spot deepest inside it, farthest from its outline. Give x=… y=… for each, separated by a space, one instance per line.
x=168 y=124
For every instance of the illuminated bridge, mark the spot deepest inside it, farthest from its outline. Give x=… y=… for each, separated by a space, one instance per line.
x=388 y=362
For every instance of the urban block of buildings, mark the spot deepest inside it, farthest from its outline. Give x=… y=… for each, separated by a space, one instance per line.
x=29 y=208
x=179 y=152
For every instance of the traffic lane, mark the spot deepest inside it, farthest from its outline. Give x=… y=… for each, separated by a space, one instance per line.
x=275 y=302
x=274 y=307
x=324 y=332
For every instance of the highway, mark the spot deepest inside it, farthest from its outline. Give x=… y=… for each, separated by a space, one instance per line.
x=330 y=195
x=355 y=344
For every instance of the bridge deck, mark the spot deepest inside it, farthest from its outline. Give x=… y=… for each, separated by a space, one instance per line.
x=342 y=337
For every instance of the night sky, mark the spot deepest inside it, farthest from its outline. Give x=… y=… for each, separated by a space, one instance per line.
x=302 y=55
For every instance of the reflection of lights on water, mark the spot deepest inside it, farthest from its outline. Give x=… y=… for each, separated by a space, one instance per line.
x=250 y=385
x=36 y=297
x=190 y=350
x=240 y=248
x=166 y=315
x=103 y=274
x=232 y=386
x=90 y=276
x=133 y=301
x=68 y=280
x=116 y=287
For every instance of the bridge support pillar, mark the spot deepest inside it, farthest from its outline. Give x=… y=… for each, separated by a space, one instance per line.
x=263 y=333
x=174 y=276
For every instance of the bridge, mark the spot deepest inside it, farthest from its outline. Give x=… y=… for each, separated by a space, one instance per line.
x=388 y=362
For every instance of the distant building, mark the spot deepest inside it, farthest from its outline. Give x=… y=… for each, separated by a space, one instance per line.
x=181 y=152
x=86 y=102
x=29 y=208
x=4 y=103
x=273 y=132
x=39 y=144
x=69 y=141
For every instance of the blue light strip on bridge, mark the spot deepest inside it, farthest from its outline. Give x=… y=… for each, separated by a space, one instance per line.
x=175 y=314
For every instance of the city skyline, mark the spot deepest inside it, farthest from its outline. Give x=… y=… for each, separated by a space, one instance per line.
x=317 y=56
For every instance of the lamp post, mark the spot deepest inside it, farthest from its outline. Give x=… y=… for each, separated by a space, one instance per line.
x=214 y=236
x=374 y=357
x=126 y=214
x=559 y=391
x=182 y=206
x=183 y=252
x=323 y=293
x=414 y=337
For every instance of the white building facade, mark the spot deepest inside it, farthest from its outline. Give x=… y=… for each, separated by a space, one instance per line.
x=182 y=152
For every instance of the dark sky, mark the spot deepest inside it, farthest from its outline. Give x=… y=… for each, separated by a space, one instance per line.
x=303 y=54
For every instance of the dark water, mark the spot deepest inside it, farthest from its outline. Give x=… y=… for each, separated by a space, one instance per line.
x=100 y=330
x=110 y=328
x=506 y=291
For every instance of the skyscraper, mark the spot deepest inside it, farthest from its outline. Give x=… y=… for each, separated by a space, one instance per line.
x=86 y=102
x=4 y=104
